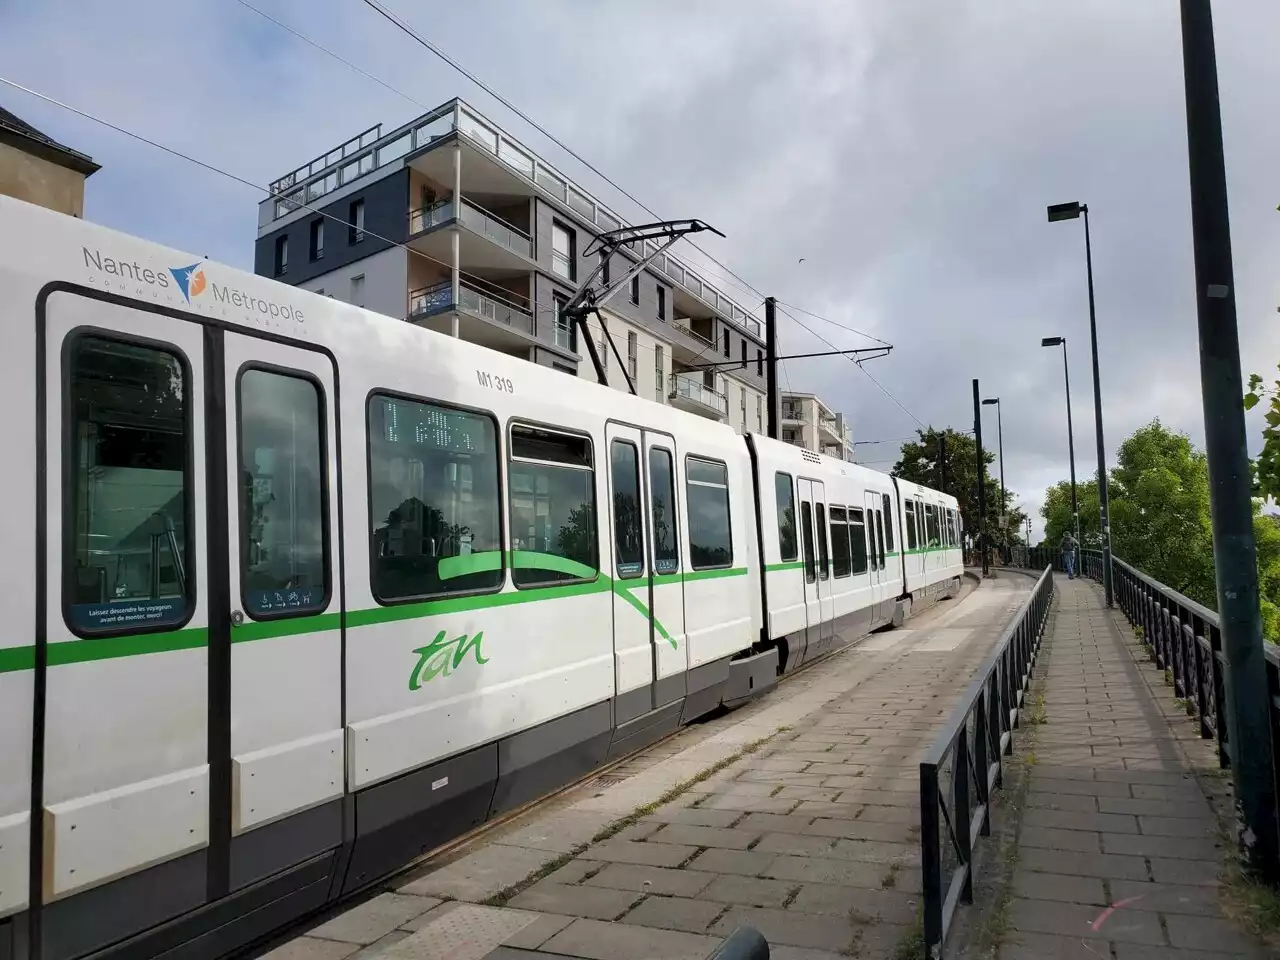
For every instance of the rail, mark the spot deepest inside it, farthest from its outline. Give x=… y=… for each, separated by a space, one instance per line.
x=966 y=760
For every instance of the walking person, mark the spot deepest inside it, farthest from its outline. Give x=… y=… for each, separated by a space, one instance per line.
x=1069 y=546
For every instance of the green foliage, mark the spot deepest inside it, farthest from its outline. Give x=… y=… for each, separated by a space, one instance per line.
x=1266 y=469
x=919 y=463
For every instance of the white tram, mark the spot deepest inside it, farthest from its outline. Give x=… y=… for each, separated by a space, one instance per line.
x=315 y=590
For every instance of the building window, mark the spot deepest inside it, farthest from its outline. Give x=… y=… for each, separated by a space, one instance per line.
x=707 y=493
x=759 y=414
x=726 y=343
x=743 y=356
x=564 y=332
x=127 y=502
x=357 y=290
x=633 y=347
x=563 y=255
x=658 y=378
x=662 y=302
x=433 y=475
x=355 y=221
x=604 y=351
x=283 y=521
x=317 y=239
x=635 y=290
x=759 y=363
x=742 y=396
x=604 y=270
x=282 y=255
x=553 y=510
x=785 y=498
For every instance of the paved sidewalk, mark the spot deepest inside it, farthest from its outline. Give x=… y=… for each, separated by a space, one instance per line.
x=1119 y=850
x=798 y=816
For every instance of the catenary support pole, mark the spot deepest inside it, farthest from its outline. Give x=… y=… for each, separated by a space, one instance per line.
x=1230 y=504
x=1104 y=507
x=982 y=469
x=771 y=365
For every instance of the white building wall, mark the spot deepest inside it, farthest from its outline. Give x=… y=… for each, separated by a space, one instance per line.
x=385 y=287
x=648 y=383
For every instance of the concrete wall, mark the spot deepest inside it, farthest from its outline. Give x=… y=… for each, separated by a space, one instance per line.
x=41 y=182
x=386 y=282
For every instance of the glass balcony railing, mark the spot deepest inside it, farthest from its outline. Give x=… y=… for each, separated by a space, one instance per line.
x=474 y=218
x=691 y=387
x=683 y=324
x=439 y=298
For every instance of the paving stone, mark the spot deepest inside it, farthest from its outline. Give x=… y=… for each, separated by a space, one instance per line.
x=807 y=793
x=878 y=813
x=1083 y=864
x=694 y=816
x=885 y=941
x=575 y=871
x=1073 y=820
x=1175 y=848
x=311 y=948
x=466 y=932
x=655 y=880
x=1200 y=827
x=1079 y=803
x=374 y=919
x=837 y=811
x=599 y=903
x=595 y=940
x=858 y=830
x=675 y=913
x=637 y=831
x=1196 y=809
x=746 y=788
x=776 y=823
x=1077 y=920
x=649 y=854
x=851 y=873
x=480 y=875
x=1167 y=897
x=1133 y=951
x=1081 y=787
x=1021 y=945
x=431 y=916
x=728 y=838
x=1056 y=886
x=1186 y=793
x=722 y=801
x=1183 y=779
x=794 y=843
x=746 y=862
x=875 y=851
x=379 y=946
x=1164 y=870
x=1051 y=838
x=748 y=891
x=862 y=905
x=784 y=952
x=538 y=932
x=791 y=927
x=559 y=833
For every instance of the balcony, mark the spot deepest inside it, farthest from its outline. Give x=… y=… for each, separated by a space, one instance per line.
x=793 y=413
x=830 y=424
x=689 y=393
x=483 y=318
x=516 y=251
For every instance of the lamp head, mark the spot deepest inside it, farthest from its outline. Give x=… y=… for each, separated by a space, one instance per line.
x=987 y=403
x=1065 y=211
x=1053 y=341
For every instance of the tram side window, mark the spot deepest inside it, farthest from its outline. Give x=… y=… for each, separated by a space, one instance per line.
x=624 y=465
x=784 y=496
x=433 y=479
x=707 y=493
x=127 y=505
x=662 y=496
x=880 y=536
x=888 y=522
x=551 y=495
x=931 y=519
x=806 y=535
x=909 y=507
x=823 y=565
x=840 y=564
x=283 y=517
x=857 y=541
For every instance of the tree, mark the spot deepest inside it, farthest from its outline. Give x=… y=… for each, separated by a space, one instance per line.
x=1058 y=518
x=920 y=462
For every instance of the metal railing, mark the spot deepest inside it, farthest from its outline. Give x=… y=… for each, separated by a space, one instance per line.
x=438 y=298
x=691 y=387
x=964 y=766
x=475 y=218
x=684 y=324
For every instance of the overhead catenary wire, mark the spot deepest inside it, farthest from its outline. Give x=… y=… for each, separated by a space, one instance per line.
x=817 y=316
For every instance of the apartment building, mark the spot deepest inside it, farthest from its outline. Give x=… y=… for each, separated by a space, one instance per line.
x=809 y=423
x=450 y=223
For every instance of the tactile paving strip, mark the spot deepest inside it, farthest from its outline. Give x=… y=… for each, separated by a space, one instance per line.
x=467 y=932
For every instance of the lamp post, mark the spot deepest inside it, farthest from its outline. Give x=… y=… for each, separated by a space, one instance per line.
x=1071 y=436
x=1000 y=446
x=1071 y=211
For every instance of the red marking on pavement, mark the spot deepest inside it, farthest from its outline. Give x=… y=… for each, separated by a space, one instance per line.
x=1102 y=918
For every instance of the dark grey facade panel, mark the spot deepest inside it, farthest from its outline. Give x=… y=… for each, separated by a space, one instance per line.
x=386 y=223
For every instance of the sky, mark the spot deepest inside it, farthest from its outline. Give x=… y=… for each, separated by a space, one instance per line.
x=884 y=164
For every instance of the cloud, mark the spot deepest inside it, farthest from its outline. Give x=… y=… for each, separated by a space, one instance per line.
x=905 y=150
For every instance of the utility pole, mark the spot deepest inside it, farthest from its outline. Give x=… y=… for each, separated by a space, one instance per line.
x=982 y=469
x=771 y=366
x=1230 y=503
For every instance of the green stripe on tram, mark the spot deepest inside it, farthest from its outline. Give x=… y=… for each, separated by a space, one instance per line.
x=13 y=659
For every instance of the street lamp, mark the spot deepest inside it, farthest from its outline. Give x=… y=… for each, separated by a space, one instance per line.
x=1071 y=440
x=1000 y=444
x=1071 y=211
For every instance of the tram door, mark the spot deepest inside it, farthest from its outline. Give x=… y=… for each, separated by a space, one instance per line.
x=819 y=603
x=875 y=551
x=188 y=642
